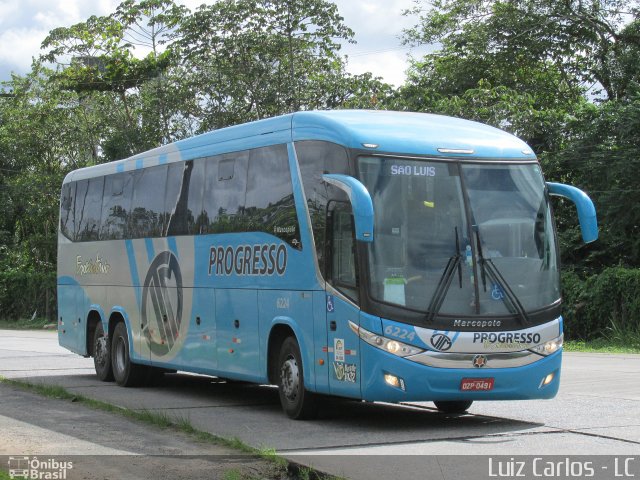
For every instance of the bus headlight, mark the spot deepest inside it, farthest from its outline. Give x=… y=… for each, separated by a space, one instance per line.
x=549 y=347
x=395 y=347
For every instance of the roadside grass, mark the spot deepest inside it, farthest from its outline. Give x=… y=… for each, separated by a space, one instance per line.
x=24 y=324
x=233 y=474
x=4 y=475
x=281 y=467
x=601 y=345
x=616 y=339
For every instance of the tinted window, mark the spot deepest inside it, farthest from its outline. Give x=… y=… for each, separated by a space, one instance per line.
x=172 y=224
x=343 y=272
x=148 y=202
x=269 y=205
x=316 y=158
x=116 y=206
x=185 y=184
x=224 y=193
x=88 y=209
x=67 y=200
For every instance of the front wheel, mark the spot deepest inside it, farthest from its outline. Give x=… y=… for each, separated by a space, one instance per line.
x=126 y=373
x=453 y=406
x=297 y=402
x=102 y=354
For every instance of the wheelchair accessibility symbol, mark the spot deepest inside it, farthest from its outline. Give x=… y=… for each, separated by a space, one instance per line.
x=330 y=305
x=496 y=292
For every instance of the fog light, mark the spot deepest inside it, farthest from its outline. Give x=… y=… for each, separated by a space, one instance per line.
x=548 y=379
x=394 y=381
x=391 y=380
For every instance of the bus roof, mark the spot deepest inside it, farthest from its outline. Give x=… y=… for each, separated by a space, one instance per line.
x=373 y=130
x=409 y=133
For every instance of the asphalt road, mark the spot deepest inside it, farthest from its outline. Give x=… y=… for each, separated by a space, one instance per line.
x=597 y=412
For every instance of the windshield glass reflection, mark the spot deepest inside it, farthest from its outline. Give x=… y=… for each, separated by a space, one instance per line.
x=425 y=254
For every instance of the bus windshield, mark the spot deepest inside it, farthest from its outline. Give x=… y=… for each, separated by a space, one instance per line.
x=460 y=238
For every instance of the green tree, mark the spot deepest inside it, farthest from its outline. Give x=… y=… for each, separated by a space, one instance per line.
x=151 y=25
x=98 y=56
x=601 y=157
x=588 y=41
x=44 y=133
x=251 y=59
x=514 y=65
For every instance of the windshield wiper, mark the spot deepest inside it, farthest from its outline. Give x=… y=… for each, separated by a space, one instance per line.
x=445 y=281
x=488 y=267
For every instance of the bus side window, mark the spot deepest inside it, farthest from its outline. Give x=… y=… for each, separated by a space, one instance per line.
x=148 y=202
x=175 y=201
x=316 y=158
x=224 y=193
x=116 y=205
x=270 y=206
x=183 y=207
x=88 y=209
x=342 y=265
x=66 y=210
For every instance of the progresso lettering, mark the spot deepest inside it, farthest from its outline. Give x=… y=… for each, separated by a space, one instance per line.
x=511 y=337
x=262 y=259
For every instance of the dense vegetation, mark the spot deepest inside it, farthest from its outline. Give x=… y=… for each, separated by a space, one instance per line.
x=563 y=76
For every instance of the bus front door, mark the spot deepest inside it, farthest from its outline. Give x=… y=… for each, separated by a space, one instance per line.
x=342 y=300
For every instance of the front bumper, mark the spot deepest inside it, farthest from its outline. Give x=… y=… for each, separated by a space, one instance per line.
x=426 y=383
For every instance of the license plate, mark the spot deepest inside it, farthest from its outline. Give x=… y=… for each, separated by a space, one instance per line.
x=476 y=384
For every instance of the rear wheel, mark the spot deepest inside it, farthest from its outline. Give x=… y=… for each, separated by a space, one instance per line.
x=297 y=402
x=453 y=406
x=102 y=354
x=126 y=373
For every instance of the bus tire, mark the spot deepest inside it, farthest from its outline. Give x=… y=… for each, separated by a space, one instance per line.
x=102 y=354
x=453 y=406
x=297 y=402
x=126 y=373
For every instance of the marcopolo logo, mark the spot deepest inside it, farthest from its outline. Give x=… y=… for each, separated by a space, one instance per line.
x=162 y=304
x=441 y=342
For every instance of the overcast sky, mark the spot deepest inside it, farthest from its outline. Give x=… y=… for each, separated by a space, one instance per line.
x=377 y=24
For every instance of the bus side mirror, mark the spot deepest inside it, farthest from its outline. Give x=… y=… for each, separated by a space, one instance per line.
x=584 y=205
x=361 y=203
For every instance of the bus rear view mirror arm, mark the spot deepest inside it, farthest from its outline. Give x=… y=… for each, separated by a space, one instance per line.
x=360 y=203
x=584 y=205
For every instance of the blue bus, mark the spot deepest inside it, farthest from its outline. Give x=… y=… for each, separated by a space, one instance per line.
x=372 y=255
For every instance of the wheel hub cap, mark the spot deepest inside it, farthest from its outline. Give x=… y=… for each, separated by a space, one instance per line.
x=290 y=378
x=101 y=351
x=120 y=350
